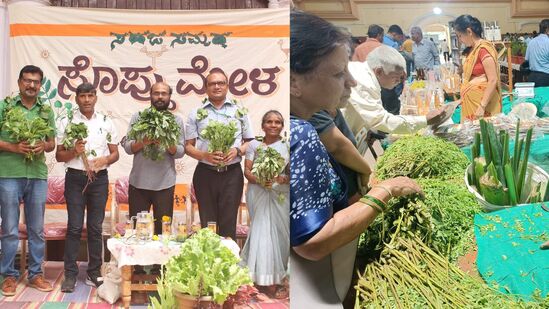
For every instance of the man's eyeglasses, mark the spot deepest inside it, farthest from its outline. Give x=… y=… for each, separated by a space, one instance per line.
x=27 y=81
x=220 y=84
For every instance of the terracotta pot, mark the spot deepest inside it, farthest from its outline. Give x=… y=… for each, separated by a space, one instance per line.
x=186 y=301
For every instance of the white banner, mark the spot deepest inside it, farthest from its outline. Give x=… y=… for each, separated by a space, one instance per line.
x=123 y=52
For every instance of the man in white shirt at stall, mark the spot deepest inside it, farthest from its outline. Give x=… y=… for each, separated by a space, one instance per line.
x=386 y=68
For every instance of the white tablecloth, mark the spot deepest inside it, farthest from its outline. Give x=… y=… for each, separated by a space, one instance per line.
x=151 y=252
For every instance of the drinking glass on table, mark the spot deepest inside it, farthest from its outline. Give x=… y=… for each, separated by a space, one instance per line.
x=212 y=225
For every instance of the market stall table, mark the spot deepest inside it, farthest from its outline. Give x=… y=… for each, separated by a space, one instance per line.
x=541 y=100
x=131 y=252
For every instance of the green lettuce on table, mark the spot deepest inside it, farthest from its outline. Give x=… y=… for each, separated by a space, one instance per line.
x=206 y=267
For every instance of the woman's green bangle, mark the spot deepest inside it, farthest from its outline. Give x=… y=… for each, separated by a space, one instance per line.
x=371 y=204
x=378 y=202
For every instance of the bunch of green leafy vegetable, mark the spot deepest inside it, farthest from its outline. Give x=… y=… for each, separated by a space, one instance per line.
x=500 y=175
x=206 y=267
x=220 y=136
x=422 y=157
x=158 y=126
x=411 y=275
x=73 y=133
x=440 y=220
x=267 y=165
x=21 y=128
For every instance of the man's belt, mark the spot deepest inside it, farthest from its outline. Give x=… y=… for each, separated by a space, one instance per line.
x=82 y=172
x=220 y=169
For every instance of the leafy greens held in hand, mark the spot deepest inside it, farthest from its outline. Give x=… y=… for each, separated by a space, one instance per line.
x=220 y=135
x=23 y=129
x=73 y=133
x=158 y=126
x=267 y=165
x=206 y=267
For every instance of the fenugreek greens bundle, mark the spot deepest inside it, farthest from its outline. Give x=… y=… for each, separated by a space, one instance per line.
x=422 y=157
x=267 y=164
x=220 y=136
x=441 y=220
x=20 y=129
x=158 y=126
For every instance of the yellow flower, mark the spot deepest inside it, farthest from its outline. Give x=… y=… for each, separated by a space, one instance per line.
x=166 y=219
x=117 y=235
x=155 y=237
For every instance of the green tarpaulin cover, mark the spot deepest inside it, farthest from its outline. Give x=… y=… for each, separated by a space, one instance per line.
x=509 y=253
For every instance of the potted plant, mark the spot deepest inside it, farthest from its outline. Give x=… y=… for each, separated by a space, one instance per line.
x=206 y=272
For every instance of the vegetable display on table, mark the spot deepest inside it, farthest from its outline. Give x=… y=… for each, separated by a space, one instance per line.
x=500 y=176
x=440 y=220
x=205 y=267
x=221 y=136
x=411 y=275
x=158 y=126
x=20 y=128
x=422 y=157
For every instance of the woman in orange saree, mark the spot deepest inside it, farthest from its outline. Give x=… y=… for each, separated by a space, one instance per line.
x=481 y=88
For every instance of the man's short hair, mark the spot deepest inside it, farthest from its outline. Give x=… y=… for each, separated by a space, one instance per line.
x=543 y=26
x=85 y=88
x=374 y=31
x=217 y=71
x=31 y=69
x=386 y=58
x=416 y=29
x=395 y=29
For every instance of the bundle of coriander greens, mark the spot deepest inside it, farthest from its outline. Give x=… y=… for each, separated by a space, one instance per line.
x=156 y=125
x=20 y=128
x=267 y=164
x=410 y=248
x=221 y=136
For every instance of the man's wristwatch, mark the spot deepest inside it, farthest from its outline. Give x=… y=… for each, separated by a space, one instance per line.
x=238 y=151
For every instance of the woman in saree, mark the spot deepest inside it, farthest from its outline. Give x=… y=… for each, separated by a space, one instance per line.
x=267 y=248
x=481 y=88
x=323 y=226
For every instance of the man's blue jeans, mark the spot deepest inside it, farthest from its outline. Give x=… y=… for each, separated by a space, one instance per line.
x=33 y=194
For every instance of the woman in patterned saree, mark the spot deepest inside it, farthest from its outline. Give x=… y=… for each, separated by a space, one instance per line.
x=481 y=88
x=323 y=226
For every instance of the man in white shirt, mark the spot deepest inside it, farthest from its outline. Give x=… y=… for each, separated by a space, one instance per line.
x=86 y=183
x=386 y=68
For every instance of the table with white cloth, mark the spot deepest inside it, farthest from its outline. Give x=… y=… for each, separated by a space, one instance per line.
x=129 y=252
